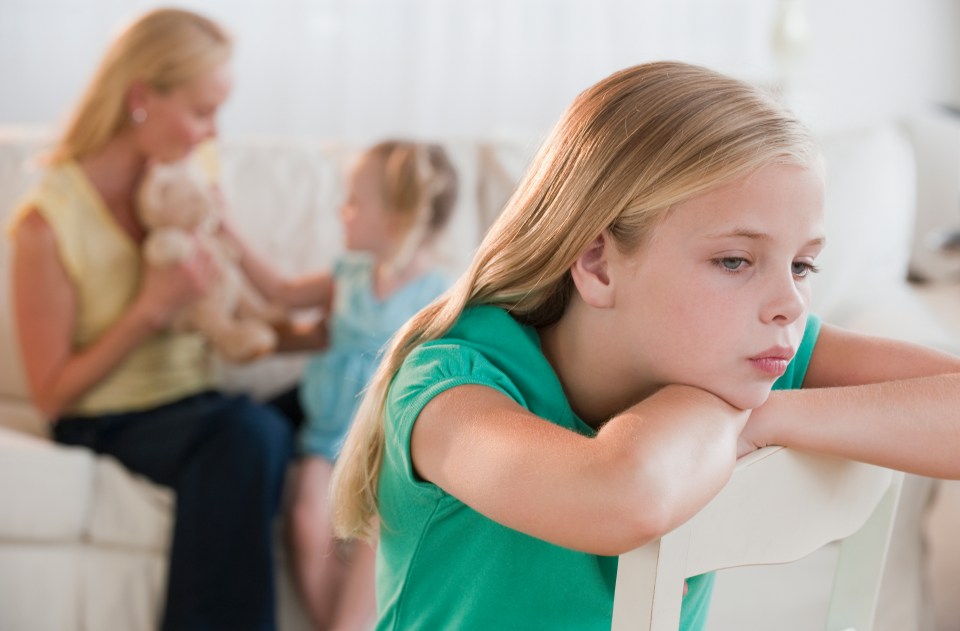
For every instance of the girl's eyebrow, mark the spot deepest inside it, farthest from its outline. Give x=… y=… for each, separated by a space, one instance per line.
x=739 y=232
x=754 y=235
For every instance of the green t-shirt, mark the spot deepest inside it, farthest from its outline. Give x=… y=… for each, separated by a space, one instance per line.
x=441 y=564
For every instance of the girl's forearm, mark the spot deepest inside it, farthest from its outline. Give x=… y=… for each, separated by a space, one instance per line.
x=682 y=444
x=311 y=290
x=261 y=274
x=911 y=424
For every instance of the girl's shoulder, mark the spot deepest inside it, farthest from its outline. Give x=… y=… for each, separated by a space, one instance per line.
x=432 y=282
x=493 y=332
x=488 y=346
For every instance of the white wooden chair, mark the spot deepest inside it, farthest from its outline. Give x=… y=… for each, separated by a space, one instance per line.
x=779 y=506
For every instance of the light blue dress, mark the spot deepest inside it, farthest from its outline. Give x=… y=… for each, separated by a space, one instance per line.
x=360 y=325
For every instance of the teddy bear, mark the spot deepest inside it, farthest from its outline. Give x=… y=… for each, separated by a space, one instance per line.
x=179 y=207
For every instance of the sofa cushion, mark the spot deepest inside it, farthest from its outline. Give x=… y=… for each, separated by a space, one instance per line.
x=19 y=414
x=128 y=510
x=68 y=494
x=48 y=489
x=38 y=586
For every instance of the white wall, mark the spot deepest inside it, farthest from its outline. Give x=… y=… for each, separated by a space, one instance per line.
x=365 y=68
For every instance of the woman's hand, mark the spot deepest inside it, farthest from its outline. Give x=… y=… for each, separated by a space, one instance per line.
x=164 y=291
x=45 y=303
x=225 y=227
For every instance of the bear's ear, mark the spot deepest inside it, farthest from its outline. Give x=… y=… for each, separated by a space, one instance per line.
x=154 y=191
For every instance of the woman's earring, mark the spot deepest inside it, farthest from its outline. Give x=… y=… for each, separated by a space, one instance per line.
x=138 y=115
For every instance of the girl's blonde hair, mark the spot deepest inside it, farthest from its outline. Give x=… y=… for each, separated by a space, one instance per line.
x=626 y=151
x=419 y=185
x=163 y=48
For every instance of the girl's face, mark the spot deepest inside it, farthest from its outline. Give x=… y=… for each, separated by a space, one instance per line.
x=718 y=298
x=180 y=119
x=368 y=224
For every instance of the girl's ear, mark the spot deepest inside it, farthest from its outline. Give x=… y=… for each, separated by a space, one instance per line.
x=591 y=274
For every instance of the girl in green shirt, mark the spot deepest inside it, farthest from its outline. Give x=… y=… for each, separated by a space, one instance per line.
x=590 y=381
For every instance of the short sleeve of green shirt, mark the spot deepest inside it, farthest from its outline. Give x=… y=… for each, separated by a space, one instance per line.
x=428 y=371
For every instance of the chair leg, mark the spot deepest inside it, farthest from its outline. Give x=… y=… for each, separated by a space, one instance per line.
x=640 y=606
x=856 y=584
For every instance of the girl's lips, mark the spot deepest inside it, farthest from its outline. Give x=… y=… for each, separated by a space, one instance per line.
x=773 y=366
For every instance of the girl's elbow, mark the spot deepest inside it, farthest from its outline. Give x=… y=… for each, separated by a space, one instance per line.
x=654 y=503
x=636 y=521
x=631 y=532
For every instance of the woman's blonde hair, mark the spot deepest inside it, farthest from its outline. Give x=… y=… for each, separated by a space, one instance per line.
x=163 y=48
x=627 y=150
x=419 y=186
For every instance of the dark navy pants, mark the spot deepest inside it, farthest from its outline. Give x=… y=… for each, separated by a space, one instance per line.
x=225 y=457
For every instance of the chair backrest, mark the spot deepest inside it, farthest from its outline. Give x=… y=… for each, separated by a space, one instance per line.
x=779 y=506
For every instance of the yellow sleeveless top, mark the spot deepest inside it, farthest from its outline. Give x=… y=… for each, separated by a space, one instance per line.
x=104 y=264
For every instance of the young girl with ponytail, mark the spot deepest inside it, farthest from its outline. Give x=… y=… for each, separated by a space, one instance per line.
x=400 y=195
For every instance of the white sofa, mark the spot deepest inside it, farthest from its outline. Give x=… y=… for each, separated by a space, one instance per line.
x=82 y=542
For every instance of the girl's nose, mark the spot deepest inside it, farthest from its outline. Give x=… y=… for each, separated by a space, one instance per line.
x=786 y=300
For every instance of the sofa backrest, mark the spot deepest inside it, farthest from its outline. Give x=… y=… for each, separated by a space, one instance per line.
x=284 y=196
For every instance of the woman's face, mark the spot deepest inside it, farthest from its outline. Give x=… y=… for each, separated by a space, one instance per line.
x=180 y=119
x=718 y=298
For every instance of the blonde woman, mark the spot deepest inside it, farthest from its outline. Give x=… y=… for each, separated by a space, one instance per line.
x=588 y=384
x=101 y=361
x=400 y=195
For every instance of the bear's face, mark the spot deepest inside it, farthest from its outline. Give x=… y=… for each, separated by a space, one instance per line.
x=175 y=196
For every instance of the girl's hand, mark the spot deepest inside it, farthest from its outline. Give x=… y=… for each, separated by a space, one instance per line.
x=296 y=336
x=754 y=434
x=746 y=445
x=164 y=291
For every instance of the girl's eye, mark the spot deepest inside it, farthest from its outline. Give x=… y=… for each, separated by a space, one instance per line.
x=802 y=270
x=731 y=263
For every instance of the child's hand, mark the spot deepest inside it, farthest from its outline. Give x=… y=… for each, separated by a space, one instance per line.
x=305 y=336
x=754 y=436
x=745 y=445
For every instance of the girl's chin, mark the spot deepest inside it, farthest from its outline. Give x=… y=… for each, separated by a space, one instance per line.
x=748 y=400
